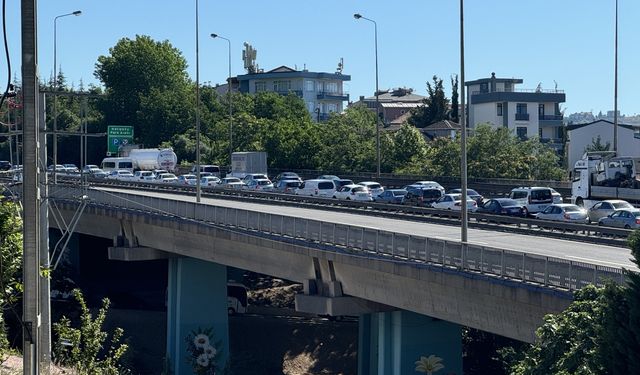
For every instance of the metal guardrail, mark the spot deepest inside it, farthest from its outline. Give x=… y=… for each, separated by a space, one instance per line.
x=519 y=266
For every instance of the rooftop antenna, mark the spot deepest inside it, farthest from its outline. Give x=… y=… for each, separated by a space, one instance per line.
x=340 y=66
x=249 y=57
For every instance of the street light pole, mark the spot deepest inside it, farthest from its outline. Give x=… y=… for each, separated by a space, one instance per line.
x=615 y=88
x=55 y=90
x=198 y=187
x=375 y=29
x=228 y=97
x=463 y=138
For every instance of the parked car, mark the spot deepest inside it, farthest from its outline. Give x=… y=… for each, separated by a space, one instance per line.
x=502 y=206
x=353 y=193
x=374 y=187
x=259 y=185
x=470 y=194
x=231 y=183
x=287 y=186
x=317 y=187
x=166 y=178
x=422 y=196
x=454 y=202
x=59 y=168
x=97 y=173
x=331 y=177
x=144 y=176
x=606 y=208
x=209 y=181
x=89 y=167
x=391 y=196
x=187 y=179
x=120 y=175
x=563 y=212
x=625 y=218
x=533 y=199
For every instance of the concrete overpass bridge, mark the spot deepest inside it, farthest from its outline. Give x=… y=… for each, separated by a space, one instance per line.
x=412 y=284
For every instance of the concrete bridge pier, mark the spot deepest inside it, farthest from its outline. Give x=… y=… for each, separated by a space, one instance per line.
x=390 y=343
x=196 y=304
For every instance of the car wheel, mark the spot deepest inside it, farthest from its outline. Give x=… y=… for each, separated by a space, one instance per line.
x=589 y=220
x=525 y=212
x=348 y=198
x=600 y=223
x=627 y=226
x=231 y=311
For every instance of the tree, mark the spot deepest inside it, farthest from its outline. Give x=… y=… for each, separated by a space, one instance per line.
x=11 y=270
x=596 y=145
x=454 y=116
x=146 y=82
x=435 y=106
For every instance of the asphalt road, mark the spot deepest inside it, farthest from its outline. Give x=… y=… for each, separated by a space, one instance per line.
x=570 y=250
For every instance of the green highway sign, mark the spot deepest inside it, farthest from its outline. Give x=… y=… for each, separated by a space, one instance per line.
x=118 y=136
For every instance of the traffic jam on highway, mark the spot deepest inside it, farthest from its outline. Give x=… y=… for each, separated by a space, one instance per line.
x=592 y=189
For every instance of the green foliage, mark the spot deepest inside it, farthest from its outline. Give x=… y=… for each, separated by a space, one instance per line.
x=454 y=115
x=597 y=145
x=10 y=265
x=435 y=106
x=83 y=348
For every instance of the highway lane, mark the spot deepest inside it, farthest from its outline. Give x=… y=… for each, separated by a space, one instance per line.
x=570 y=250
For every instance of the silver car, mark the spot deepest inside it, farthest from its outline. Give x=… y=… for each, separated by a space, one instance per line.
x=606 y=208
x=563 y=212
x=627 y=218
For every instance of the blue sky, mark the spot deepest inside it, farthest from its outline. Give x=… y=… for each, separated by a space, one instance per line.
x=569 y=41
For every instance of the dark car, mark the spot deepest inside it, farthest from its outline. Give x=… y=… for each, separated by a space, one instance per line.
x=5 y=165
x=422 y=197
x=502 y=206
x=391 y=196
x=470 y=193
x=342 y=182
x=287 y=176
x=287 y=186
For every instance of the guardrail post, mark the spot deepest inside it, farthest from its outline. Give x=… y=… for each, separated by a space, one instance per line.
x=546 y=270
x=362 y=239
x=377 y=244
x=570 y=269
x=595 y=275
x=393 y=245
x=524 y=257
x=427 y=258
x=347 y=240
x=294 y=227
x=502 y=263
x=320 y=233
x=444 y=246
x=482 y=259
x=333 y=238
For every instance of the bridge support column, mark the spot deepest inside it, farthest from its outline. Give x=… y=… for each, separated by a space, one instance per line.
x=392 y=342
x=196 y=302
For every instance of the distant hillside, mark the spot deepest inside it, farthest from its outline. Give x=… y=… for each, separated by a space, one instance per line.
x=584 y=117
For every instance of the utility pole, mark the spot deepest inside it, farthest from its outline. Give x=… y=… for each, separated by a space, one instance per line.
x=30 y=193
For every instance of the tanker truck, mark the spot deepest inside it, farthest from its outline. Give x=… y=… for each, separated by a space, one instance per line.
x=148 y=159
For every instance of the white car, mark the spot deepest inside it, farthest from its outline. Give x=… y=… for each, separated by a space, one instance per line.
x=96 y=173
x=454 y=202
x=259 y=185
x=71 y=168
x=144 y=176
x=430 y=185
x=374 y=187
x=231 y=183
x=187 y=179
x=209 y=181
x=120 y=175
x=353 y=193
x=167 y=178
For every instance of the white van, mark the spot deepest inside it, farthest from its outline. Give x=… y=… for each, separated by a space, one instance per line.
x=319 y=188
x=237 y=302
x=533 y=199
x=109 y=164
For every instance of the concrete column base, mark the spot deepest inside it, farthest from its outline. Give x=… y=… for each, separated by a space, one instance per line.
x=391 y=343
x=196 y=304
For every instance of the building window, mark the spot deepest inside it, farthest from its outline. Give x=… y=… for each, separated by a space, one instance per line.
x=261 y=86
x=331 y=87
x=311 y=106
x=521 y=132
x=541 y=110
x=484 y=87
x=309 y=85
x=332 y=107
x=499 y=109
x=281 y=86
x=521 y=108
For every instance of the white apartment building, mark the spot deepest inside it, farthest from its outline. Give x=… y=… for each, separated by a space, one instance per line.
x=527 y=112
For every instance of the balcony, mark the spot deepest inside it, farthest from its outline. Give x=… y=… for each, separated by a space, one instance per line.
x=551 y=120
x=328 y=95
x=518 y=95
x=298 y=93
x=554 y=143
x=522 y=117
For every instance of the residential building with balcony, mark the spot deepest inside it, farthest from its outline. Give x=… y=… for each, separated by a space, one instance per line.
x=527 y=112
x=394 y=104
x=322 y=93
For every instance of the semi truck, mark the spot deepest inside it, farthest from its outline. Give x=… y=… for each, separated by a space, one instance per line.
x=244 y=163
x=602 y=175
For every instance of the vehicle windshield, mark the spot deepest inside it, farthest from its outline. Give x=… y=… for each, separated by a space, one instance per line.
x=398 y=193
x=259 y=177
x=572 y=209
x=508 y=203
x=636 y=213
x=360 y=188
x=374 y=186
x=293 y=184
x=228 y=180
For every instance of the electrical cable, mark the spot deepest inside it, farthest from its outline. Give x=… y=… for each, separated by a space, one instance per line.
x=6 y=50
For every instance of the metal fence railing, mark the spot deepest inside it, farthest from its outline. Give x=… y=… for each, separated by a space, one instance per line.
x=519 y=266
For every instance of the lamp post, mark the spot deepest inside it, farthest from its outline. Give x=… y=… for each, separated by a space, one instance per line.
x=375 y=29
x=198 y=187
x=615 y=88
x=463 y=139
x=55 y=90
x=228 y=96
